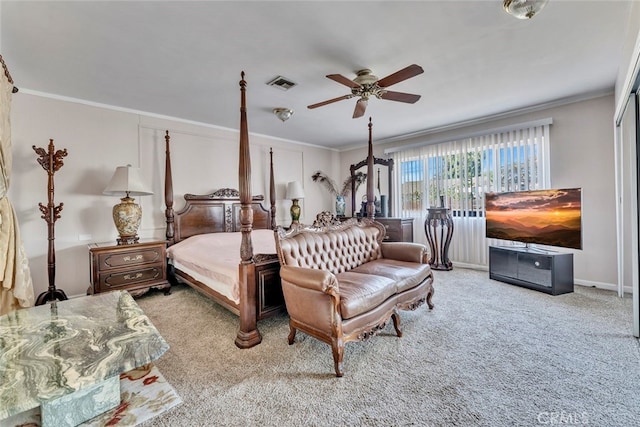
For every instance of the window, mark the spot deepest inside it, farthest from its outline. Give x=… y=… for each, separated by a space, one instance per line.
x=456 y=174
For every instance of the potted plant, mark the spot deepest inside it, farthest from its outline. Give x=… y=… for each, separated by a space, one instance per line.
x=339 y=192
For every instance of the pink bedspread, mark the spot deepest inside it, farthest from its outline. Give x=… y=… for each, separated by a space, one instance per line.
x=213 y=258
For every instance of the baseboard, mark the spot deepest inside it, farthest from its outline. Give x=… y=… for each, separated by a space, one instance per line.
x=471 y=266
x=601 y=285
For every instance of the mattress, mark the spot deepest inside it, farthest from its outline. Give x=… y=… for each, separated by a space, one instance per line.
x=213 y=258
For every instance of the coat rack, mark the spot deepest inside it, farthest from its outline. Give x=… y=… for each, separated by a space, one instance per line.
x=51 y=161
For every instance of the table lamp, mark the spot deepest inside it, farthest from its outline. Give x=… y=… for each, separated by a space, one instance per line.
x=295 y=193
x=127 y=181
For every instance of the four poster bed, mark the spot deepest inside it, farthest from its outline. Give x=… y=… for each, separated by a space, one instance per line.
x=207 y=235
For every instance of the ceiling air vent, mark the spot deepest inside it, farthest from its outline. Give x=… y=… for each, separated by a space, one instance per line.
x=282 y=83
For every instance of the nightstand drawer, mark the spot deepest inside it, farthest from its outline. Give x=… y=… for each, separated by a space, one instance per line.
x=110 y=260
x=141 y=276
x=134 y=267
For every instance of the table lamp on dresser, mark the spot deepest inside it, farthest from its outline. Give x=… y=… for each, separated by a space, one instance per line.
x=294 y=193
x=127 y=181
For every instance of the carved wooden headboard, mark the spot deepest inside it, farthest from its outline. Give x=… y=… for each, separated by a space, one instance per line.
x=218 y=212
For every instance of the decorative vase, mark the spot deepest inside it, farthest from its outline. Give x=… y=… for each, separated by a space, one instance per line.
x=127 y=216
x=383 y=206
x=341 y=205
x=295 y=211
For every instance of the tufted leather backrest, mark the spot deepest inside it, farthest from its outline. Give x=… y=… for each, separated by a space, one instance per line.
x=335 y=249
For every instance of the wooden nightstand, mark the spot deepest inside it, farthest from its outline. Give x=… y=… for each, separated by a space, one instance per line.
x=397 y=229
x=135 y=268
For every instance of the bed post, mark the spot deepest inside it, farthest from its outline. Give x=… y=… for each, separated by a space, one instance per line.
x=248 y=334
x=371 y=209
x=168 y=192
x=272 y=190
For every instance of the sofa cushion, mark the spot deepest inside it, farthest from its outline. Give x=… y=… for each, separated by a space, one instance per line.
x=406 y=275
x=359 y=292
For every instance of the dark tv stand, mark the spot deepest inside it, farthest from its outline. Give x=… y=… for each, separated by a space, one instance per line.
x=549 y=272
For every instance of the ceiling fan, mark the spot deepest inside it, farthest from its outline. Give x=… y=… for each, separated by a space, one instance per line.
x=366 y=85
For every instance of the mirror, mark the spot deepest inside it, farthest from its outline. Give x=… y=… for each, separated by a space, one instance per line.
x=382 y=211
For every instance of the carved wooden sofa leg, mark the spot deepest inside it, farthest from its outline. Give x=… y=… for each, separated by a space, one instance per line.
x=337 y=346
x=429 y=296
x=292 y=334
x=396 y=323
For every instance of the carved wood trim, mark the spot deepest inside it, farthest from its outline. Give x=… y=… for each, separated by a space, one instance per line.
x=6 y=70
x=326 y=219
x=168 y=192
x=8 y=75
x=294 y=230
x=261 y=258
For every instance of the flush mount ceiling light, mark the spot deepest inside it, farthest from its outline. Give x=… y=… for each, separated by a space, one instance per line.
x=283 y=113
x=524 y=9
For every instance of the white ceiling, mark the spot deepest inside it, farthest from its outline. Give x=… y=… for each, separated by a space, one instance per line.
x=183 y=59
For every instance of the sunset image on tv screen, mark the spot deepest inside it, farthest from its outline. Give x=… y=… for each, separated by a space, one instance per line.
x=547 y=217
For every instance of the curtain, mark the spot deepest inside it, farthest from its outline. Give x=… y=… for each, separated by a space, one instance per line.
x=457 y=172
x=16 y=287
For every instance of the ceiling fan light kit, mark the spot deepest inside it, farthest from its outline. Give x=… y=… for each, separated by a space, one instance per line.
x=524 y=9
x=283 y=114
x=367 y=85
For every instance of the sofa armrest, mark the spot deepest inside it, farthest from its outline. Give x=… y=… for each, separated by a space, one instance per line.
x=312 y=299
x=404 y=251
x=310 y=278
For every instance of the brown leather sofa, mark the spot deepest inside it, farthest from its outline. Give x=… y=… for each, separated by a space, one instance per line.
x=341 y=283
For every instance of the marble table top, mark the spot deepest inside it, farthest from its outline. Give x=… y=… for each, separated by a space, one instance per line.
x=55 y=349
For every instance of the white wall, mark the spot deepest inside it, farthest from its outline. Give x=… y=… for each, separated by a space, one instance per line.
x=581 y=156
x=99 y=139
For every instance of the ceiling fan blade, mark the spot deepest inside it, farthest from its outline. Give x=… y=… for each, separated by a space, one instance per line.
x=398 y=76
x=361 y=106
x=343 y=80
x=330 y=101
x=409 y=98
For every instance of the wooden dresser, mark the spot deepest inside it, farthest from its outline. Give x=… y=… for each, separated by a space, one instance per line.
x=136 y=268
x=398 y=229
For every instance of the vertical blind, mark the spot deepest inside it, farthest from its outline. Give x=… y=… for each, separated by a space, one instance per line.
x=456 y=174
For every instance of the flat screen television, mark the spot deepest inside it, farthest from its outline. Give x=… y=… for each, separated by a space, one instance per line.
x=546 y=217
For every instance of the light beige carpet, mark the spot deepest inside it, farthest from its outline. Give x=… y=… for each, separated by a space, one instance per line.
x=489 y=354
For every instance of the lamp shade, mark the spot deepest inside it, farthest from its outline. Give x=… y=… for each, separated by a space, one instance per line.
x=294 y=190
x=127 y=181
